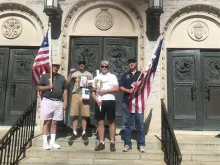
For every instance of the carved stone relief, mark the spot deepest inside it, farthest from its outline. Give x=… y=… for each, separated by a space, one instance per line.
x=117 y=56
x=104 y=20
x=184 y=70
x=11 y=28
x=23 y=65
x=198 y=31
x=212 y=70
x=89 y=54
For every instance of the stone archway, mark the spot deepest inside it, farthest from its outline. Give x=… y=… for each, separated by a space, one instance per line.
x=72 y=25
x=28 y=30
x=190 y=52
x=21 y=33
x=198 y=12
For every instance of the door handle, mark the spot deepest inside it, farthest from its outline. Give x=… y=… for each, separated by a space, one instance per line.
x=207 y=93
x=13 y=87
x=193 y=93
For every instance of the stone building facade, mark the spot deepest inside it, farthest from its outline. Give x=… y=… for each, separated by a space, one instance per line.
x=190 y=27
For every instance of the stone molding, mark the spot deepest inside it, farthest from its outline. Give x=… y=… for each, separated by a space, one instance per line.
x=198 y=10
x=82 y=5
x=14 y=9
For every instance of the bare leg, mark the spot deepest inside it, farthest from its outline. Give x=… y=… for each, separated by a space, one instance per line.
x=53 y=128
x=112 y=130
x=45 y=128
x=101 y=130
x=75 y=123
x=84 y=123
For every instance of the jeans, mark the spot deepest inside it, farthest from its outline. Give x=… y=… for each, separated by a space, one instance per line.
x=139 y=120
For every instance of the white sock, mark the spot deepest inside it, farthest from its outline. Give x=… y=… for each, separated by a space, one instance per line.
x=45 y=139
x=84 y=132
x=102 y=142
x=75 y=132
x=52 y=138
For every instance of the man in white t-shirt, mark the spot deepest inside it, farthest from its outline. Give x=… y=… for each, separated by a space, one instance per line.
x=105 y=85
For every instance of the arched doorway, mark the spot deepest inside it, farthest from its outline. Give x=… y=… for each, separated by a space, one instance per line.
x=103 y=31
x=20 y=37
x=192 y=66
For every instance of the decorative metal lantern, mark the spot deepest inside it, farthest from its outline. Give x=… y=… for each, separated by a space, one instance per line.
x=155 y=7
x=51 y=7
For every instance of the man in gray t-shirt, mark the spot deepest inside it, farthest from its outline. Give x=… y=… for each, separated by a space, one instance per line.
x=53 y=103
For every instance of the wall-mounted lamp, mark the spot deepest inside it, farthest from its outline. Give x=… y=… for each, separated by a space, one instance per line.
x=155 y=8
x=51 y=8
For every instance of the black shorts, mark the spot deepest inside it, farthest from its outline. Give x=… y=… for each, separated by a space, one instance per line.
x=108 y=107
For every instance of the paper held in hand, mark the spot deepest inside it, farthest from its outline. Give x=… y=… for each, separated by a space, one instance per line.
x=85 y=94
x=83 y=81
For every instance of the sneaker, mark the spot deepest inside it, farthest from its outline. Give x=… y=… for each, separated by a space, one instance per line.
x=55 y=145
x=71 y=139
x=46 y=146
x=126 y=148
x=142 y=149
x=100 y=147
x=112 y=147
x=85 y=138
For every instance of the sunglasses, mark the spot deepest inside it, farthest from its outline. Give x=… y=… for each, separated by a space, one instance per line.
x=104 y=66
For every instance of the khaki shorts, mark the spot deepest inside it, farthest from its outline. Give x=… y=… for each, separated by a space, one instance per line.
x=79 y=106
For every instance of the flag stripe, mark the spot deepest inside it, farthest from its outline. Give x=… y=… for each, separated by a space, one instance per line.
x=141 y=92
x=42 y=61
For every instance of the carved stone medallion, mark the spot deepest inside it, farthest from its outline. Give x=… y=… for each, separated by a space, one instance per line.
x=104 y=20
x=11 y=28
x=198 y=31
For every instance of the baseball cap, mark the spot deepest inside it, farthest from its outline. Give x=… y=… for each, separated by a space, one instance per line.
x=132 y=60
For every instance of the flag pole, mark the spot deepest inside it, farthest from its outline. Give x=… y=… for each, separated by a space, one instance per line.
x=50 y=50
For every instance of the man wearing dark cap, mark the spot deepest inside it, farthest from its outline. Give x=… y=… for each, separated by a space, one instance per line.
x=79 y=105
x=126 y=85
x=54 y=102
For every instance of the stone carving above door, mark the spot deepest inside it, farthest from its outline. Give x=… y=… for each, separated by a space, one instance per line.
x=198 y=31
x=11 y=28
x=104 y=20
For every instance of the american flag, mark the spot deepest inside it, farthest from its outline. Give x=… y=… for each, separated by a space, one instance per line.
x=140 y=94
x=41 y=61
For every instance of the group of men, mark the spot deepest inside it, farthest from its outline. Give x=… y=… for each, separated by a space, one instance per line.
x=104 y=87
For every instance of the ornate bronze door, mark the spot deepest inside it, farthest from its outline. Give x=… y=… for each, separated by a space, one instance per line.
x=20 y=90
x=211 y=61
x=94 y=49
x=4 y=57
x=193 y=89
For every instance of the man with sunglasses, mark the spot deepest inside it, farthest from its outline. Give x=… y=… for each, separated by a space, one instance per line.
x=105 y=85
x=126 y=85
x=79 y=106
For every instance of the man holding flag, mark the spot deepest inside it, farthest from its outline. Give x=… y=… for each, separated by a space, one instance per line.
x=139 y=91
x=127 y=83
x=54 y=92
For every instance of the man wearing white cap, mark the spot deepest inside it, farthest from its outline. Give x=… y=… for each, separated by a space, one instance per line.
x=53 y=104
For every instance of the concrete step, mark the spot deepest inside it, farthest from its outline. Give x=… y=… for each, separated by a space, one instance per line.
x=198 y=163
x=88 y=153
x=62 y=161
x=151 y=143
